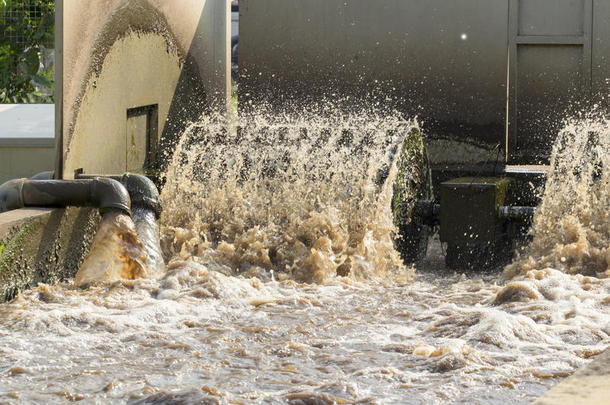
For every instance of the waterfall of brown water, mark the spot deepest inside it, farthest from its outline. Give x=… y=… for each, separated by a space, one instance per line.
x=571 y=229
x=116 y=253
x=295 y=196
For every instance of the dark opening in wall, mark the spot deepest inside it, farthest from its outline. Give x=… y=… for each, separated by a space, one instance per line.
x=142 y=138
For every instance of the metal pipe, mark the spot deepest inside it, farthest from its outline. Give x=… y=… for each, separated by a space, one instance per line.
x=428 y=210
x=59 y=88
x=143 y=192
x=141 y=189
x=50 y=175
x=103 y=193
x=516 y=212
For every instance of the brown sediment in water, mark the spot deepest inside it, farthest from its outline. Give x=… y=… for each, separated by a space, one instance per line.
x=228 y=322
x=297 y=197
x=571 y=229
x=116 y=253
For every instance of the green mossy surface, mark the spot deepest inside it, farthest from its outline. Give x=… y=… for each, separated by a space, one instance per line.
x=14 y=244
x=46 y=249
x=408 y=177
x=412 y=182
x=12 y=275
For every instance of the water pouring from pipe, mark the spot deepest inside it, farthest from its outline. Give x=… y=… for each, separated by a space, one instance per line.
x=126 y=247
x=116 y=253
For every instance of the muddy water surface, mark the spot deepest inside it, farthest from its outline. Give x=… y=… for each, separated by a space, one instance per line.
x=251 y=309
x=200 y=334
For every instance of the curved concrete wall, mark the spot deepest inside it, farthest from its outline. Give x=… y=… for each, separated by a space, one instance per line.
x=134 y=73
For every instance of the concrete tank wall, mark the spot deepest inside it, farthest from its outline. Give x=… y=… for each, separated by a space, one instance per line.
x=25 y=157
x=43 y=245
x=422 y=56
x=27 y=144
x=134 y=73
x=497 y=77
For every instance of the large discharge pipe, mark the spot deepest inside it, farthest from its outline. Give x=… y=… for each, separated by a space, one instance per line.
x=103 y=193
x=141 y=189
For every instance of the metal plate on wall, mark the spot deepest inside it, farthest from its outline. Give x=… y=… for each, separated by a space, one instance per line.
x=443 y=61
x=550 y=73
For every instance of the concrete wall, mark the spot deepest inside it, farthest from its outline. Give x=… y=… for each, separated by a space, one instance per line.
x=43 y=246
x=27 y=144
x=25 y=157
x=444 y=61
x=588 y=386
x=119 y=55
x=492 y=75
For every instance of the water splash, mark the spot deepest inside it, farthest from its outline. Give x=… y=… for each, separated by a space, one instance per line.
x=116 y=253
x=571 y=229
x=192 y=334
x=147 y=230
x=297 y=196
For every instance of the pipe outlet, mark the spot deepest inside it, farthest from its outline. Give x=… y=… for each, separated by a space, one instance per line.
x=143 y=192
x=141 y=189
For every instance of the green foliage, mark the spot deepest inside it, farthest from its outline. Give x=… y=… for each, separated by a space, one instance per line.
x=27 y=28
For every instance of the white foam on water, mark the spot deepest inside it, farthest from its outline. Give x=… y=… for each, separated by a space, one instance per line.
x=232 y=322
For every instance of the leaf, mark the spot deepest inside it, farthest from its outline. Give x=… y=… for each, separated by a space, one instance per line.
x=43 y=81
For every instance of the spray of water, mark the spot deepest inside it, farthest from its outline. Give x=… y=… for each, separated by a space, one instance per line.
x=196 y=335
x=571 y=229
x=297 y=196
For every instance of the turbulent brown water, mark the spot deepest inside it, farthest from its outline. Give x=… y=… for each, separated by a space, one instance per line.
x=572 y=226
x=282 y=287
x=300 y=199
x=116 y=253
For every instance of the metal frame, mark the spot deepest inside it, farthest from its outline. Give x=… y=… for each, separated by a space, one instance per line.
x=59 y=88
x=514 y=39
x=152 y=131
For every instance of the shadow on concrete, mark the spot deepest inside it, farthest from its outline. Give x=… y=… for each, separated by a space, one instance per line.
x=189 y=103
